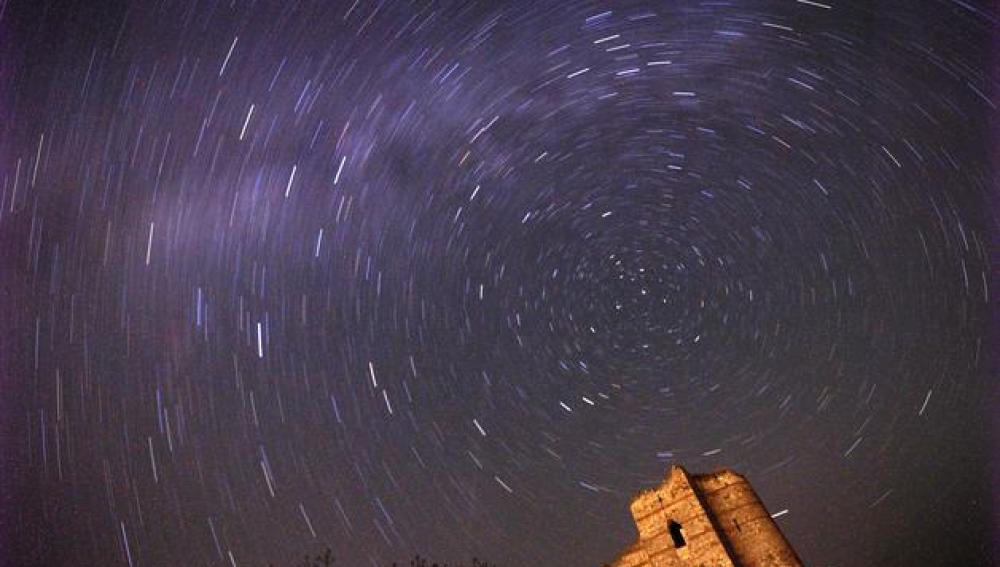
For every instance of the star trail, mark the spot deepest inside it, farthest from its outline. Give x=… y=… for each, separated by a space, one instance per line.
x=460 y=278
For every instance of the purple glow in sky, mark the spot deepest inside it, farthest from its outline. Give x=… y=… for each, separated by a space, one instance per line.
x=459 y=278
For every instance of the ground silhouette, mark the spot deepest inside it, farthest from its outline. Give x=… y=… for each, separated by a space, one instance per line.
x=327 y=559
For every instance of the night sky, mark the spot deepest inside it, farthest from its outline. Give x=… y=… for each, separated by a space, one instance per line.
x=460 y=278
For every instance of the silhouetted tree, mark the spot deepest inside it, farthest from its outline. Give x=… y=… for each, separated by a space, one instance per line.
x=325 y=559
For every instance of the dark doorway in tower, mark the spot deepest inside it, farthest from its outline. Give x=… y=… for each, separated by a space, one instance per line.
x=676 y=534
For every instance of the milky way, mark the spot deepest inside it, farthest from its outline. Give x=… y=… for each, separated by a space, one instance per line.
x=460 y=278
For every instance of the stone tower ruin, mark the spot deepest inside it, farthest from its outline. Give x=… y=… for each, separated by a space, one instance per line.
x=711 y=520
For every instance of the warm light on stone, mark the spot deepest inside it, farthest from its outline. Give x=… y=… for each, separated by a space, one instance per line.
x=711 y=520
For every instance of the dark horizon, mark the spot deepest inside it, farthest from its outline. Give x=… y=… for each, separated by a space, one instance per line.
x=460 y=279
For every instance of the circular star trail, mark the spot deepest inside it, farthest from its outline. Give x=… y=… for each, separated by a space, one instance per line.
x=460 y=278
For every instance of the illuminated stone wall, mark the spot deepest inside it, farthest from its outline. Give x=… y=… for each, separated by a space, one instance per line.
x=713 y=520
